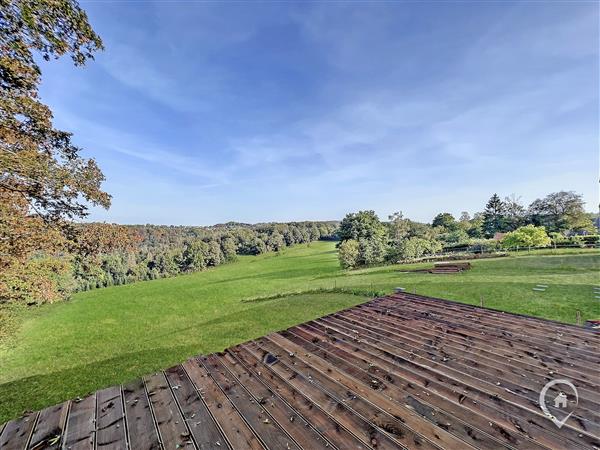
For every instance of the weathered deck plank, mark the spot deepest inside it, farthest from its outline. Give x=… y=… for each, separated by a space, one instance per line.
x=323 y=422
x=48 y=431
x=17 y=432
x=143 y=433
x=172 y=429
x=81 y=424
x=202 y=426
x=255 y=415
x=295 y=424
x=110 y=423
x=237 y=432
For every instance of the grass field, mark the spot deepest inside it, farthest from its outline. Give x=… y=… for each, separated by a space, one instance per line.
x=108 y=336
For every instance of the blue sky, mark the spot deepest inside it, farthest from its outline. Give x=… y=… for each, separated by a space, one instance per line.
x=200 y=113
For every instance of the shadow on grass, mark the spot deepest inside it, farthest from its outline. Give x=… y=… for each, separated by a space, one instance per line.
x=39 y=391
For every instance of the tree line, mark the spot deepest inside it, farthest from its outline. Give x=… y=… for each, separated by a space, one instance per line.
x=559 y=217
x=102 y=255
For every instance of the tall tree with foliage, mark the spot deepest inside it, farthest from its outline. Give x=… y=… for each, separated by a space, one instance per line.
x=515 y=212
x=349 y=253
x=445 y=220
x=561 y=211
x=399 y=226
x=371 y=236
x=494 y=216
x=44 y=181
x=363 y=224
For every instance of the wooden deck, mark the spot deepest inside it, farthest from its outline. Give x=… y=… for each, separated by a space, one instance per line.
x=402 y=371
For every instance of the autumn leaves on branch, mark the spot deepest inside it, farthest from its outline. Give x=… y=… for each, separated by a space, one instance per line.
x=44 y=182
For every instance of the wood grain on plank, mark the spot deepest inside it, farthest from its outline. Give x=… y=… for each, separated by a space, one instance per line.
x=237 y=432
x=49 y=427
x=293 y=422
x=17 y=432
x=143 y=434
x=321 y=420
x=111 y=433
x=174 y=433
x=268 y=430
x=202 y=426
x=81 y=424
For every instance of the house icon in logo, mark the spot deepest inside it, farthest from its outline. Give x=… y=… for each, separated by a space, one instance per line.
x=560 y=401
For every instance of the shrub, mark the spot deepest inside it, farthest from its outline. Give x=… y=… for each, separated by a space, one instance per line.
x=415 y=247
x=348 y=254
x=371 y=251
x=527 y=236
x=484 y=245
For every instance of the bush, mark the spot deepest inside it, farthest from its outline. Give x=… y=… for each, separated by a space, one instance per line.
x=455 y=237
x=527 y=236
x=371 y=251
x=484 y=245
x=415 y=247
x=348 y=254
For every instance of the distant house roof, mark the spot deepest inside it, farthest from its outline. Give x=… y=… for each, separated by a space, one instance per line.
x=397 y=372
x=499 y=236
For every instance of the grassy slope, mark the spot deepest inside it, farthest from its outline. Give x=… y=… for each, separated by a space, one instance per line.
x=111 y=335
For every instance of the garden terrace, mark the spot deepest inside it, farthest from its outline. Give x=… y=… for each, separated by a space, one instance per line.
x=403 y=371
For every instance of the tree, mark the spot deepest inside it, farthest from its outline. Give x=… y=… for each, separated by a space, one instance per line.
x=464 y=217
x=194 y=255
x=399 y=227
x=44 y=181
x=275 y=241
x=527 y=236
x=363 y=224
x=213 y=255
x=93 y=239
x=494 y=216
x=475 y=229
x=458 y=236
x=445 y=220
x=348 y=254
x=515 y=213
x=371 y=251
x=561 y=211
x=229 y=248
x=416 y=247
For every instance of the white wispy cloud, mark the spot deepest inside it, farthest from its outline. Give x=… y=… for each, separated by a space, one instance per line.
x=402 y=111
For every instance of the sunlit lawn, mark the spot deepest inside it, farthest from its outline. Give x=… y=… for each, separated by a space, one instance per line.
x=108 y=336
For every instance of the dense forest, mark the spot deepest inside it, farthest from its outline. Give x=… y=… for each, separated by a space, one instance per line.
x=119 y=254
x=101 y=254
x=557 y=219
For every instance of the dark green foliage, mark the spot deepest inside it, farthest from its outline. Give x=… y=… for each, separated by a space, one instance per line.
x=363 y=238
x=494 y=217
x=348 y=254
x=445 y=220
x=371 y=251
x=515 y=213
x=363 y=224
x=164 y=251
x=561 y=211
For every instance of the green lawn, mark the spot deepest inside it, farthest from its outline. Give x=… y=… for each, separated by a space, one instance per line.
x=108 y=336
